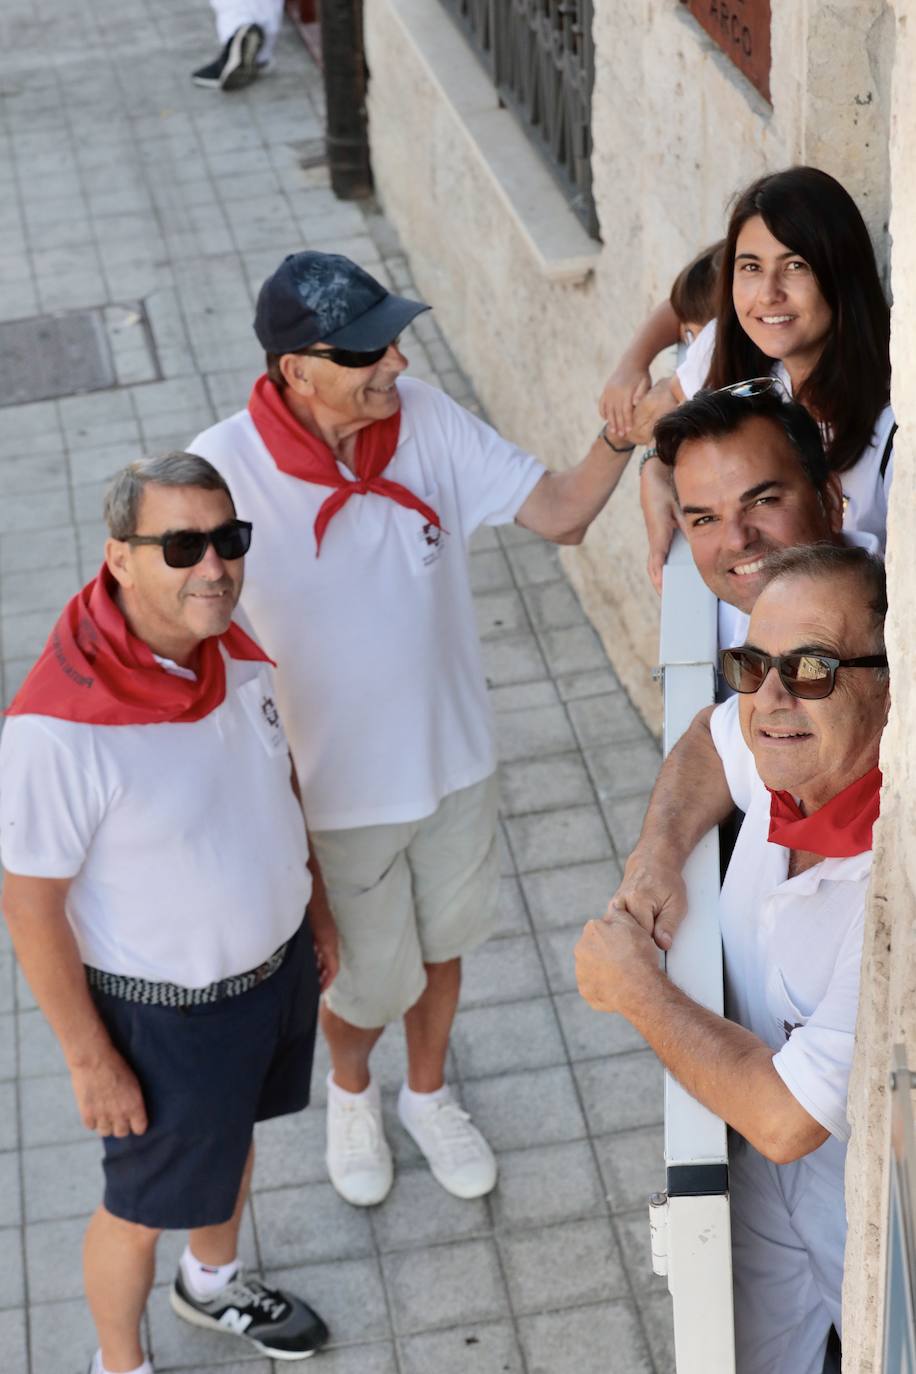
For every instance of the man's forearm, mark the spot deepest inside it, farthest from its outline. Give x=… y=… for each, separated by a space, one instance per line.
x=727 y=1068
x=690 y=796
x=564 y=504
x=50 y=960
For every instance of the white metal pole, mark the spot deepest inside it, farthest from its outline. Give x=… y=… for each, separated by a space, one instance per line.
x=697 y=1242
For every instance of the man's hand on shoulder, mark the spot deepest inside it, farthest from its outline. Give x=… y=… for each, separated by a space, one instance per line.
x=108 y=1095
x=653 y=893
x=616 y=961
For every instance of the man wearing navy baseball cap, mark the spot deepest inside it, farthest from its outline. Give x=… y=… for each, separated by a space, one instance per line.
x=366 y=488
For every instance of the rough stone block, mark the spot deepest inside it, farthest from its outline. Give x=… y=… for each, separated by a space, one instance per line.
x=444 y=1285
x=546 y=1184
x=562 y=896
x=515 y=1035
x=574 y=834
x=310 y=1223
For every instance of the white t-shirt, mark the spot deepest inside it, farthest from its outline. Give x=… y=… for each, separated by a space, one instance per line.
x=185 y=843
x=380 y=680
x=793 y=949
x=865 y=490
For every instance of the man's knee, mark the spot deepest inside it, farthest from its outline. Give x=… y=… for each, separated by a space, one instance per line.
x=130 y=1232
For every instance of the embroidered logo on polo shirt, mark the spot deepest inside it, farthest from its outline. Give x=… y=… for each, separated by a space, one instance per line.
x=270 y=712
x=431 y=544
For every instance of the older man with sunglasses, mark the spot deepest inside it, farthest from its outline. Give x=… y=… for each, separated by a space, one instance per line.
x=366 y=488
x=157 y=877
x=798 y=751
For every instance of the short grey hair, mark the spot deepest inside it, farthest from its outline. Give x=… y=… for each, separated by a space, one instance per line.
x=830 y=561
x=121 y=507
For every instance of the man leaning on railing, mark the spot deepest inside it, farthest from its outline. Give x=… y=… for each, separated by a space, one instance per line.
x=797 y=749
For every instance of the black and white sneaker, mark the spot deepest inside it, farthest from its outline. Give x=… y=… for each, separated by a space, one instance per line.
x=276 y=1323
x=237 y=64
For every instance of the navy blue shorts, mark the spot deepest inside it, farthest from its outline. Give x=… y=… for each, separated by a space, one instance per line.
x=208 y=1074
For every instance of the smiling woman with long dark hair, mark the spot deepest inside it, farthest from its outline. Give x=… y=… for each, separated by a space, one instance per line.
x=800 y=298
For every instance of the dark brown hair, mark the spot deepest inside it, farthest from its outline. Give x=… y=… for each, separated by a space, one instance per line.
x=715 y=414
x=694 y=295
x=814 y=216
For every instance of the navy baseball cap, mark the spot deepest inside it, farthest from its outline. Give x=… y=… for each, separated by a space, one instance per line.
x=323 y=297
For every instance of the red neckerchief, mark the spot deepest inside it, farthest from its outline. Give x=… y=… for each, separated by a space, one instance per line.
x=94 y=670
x=837 y=830
x=304 y=455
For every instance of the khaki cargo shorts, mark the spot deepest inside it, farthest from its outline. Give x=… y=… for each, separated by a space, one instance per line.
x=405 y=895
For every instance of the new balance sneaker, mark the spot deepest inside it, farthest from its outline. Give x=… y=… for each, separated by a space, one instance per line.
x=237 y=64
x=358 y=1157
x=276 y=1323
x=459 y=1157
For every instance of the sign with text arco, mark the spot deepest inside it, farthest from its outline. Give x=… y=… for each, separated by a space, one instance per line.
x=742 y=30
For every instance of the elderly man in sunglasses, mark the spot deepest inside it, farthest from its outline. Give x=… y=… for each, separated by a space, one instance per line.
x=157 y=876
x=797 y=749
x=366 y=488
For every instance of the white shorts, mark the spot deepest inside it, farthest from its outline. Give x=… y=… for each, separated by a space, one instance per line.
x=421 y=892
x=788 y=1236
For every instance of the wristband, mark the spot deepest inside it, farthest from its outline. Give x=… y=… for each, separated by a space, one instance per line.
x=627 y=448
x=649 y=453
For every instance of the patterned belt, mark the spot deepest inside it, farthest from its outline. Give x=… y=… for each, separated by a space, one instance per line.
x=141 y=990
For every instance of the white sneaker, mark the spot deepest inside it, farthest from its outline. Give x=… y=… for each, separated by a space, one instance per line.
x=459 y=1157
x=358 y=1157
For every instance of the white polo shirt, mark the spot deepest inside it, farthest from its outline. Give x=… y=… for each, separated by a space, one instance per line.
x=865 y=490
x=793 y=949
x=380 y=680
x=185 y=843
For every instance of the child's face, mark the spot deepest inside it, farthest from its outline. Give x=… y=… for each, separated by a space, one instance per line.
x=688 y=331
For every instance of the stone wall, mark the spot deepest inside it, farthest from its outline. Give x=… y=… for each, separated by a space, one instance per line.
x=887 y=1009
x=676 y=132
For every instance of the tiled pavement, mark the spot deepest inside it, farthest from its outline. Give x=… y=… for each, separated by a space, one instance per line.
x=123 y=186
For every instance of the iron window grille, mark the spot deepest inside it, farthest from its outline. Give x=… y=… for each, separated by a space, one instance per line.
x=541 y=58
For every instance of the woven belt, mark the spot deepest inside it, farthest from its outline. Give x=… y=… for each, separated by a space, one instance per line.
x=141 y=990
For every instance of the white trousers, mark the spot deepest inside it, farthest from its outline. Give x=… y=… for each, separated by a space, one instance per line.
x=788 y=1238
x=232 y=14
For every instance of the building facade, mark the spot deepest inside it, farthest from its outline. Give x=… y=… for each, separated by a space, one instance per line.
x=538 y=291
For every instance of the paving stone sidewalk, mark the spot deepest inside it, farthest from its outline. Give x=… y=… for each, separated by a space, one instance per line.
x=128 y=192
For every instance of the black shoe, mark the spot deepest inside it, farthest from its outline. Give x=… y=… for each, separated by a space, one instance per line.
x=276 y=1323
x=236 y=65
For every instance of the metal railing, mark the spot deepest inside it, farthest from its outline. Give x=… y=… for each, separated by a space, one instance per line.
x=541 y=58
x=690 y=1223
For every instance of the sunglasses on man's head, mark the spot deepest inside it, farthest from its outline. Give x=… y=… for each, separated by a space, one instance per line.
x=753 y=386
x=810 y=676
x=185 y=548
x=347 y=357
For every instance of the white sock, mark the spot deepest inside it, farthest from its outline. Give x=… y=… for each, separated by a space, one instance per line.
x=367 y=1095
x=206 y=1279
x=413 y=1104
x=99 y=1368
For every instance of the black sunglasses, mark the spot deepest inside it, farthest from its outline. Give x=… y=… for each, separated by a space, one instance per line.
x=346 y=357
x=184 y=548
x=809 y=676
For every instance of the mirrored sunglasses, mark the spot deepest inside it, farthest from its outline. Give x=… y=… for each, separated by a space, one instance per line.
x=808 y=676
x=185 y=548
